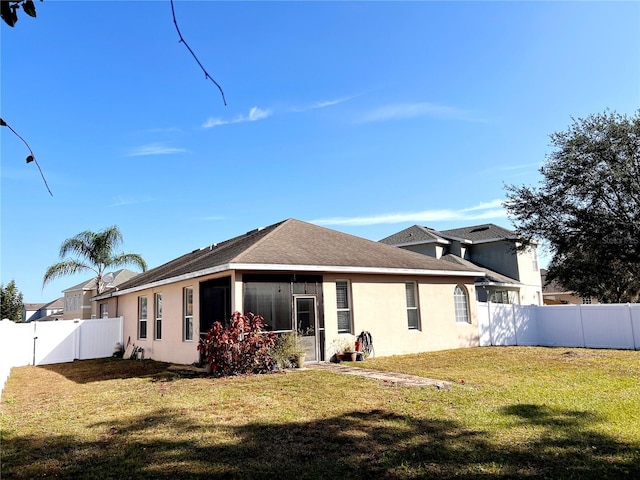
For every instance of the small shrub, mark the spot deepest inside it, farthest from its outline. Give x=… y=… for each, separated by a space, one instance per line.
x=287 y=351
x=240 y=348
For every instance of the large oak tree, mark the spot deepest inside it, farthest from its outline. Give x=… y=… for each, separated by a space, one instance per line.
x=587 y=207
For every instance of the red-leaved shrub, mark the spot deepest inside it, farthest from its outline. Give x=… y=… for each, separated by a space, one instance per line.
x=242 y=347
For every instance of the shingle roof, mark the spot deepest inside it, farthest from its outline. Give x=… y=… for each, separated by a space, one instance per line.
x=479 y=233
x=414 y=234
x=473 y=234
x=119 y=276
x=295 y=243
x=33 y=306
x=491 y=276
x=57 y=303
x=207 y=257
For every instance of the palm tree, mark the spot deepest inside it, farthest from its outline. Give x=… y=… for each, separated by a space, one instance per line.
x=95 y=252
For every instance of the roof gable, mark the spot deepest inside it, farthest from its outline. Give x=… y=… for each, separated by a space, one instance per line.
x=413 y=235
x=119 y=277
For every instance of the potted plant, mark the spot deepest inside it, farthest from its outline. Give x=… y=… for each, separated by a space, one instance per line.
x=344 y=349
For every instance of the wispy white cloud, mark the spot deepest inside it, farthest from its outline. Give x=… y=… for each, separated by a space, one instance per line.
x=120 y=201
x=399 y=111
x=486 y=210
x=154 y=149
x=260 y=114
x=254 y=114
x=497 y=203
x=323 y=104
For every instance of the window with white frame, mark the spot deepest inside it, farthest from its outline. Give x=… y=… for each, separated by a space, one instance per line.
x=104 y=310
x=499 y=296
x=188 y=313
x=73 y=303
x=461 y=302
x=142 y=317
x=158 y=314
x=343 y=299
x=411 y=294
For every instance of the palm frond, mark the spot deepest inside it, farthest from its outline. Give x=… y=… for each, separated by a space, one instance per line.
x=128 y=259
x=62 y=269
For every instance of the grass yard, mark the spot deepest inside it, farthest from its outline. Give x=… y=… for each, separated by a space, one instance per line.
x=521 y=412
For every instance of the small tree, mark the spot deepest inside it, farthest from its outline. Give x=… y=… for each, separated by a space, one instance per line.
x=11 y=302
x=240 y=348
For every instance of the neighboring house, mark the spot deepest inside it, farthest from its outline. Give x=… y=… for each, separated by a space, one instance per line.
x=511 y=276
x=320 y=282
x=77 y=299
x=555 y=294
x=43 y=311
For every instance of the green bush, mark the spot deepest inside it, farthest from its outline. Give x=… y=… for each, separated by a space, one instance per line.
x=287 y=351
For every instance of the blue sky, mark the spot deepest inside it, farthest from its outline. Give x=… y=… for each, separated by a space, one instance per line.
x=365 y=117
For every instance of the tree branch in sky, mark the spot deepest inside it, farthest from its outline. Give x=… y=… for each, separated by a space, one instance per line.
x=182 y=40
x=30 y=158
x=9 y=12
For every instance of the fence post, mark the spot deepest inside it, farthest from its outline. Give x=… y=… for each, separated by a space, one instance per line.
x=513 y=319
x=584 y=340
x=490 y=321
x=76 y=339
x=633 y=333
x=35 y=338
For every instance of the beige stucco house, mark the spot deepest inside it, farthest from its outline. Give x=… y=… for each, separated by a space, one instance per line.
x=78 y=303
x=555 y=294
x=323 y=283
x=511 y=275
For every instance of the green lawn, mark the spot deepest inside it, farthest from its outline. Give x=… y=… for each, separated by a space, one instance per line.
x=521 y=412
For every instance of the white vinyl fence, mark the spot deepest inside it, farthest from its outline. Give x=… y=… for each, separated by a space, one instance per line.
x=590 y=326
x=41 y=343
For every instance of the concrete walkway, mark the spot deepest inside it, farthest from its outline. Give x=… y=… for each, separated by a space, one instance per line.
x=394 y=378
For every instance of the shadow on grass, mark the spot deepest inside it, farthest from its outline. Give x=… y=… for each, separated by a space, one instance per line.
x=100 y=369
x=356 y=445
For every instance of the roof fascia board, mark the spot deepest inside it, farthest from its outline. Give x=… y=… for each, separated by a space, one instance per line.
x=497 y=239
x=486 y=240
x=351 y=269
x=411 y=244
x=455 y=239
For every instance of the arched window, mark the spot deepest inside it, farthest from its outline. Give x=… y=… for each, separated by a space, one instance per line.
x=461 y=302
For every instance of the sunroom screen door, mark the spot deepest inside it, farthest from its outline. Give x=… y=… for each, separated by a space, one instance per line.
x=306 y=324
